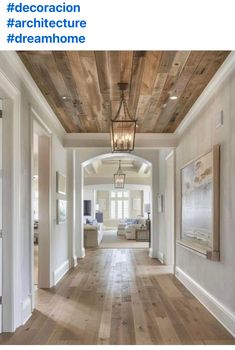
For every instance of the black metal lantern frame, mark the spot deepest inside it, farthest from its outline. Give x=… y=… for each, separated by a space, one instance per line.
x=123 y=126
x=119 y=177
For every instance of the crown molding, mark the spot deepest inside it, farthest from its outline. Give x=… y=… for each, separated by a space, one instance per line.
x=20 y=70
x=102 y=140
x=223 y=72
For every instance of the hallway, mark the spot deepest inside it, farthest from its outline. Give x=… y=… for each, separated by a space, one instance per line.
x=119 y=297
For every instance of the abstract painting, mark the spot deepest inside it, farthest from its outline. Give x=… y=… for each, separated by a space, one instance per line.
x=197 y=201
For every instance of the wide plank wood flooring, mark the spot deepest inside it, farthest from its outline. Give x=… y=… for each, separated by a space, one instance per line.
x=119 y=297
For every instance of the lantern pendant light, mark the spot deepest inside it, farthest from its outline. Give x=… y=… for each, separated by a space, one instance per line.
x=123 y=126
x=119 y=177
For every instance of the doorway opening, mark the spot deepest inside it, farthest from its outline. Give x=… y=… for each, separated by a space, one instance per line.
x=41 y=206
x=117 y=217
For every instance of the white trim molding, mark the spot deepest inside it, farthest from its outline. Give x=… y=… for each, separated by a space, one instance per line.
x=102 y=140
x=11 y=272
x=223 y=72
x=160 y=256
x=17 y=65
x=26 y=309
x=216 y=308
x=82 y=253
x=60 y=272
x=74 y=261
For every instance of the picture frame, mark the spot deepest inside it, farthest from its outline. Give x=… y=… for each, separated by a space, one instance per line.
x=60 y=183
x=61 y=211
x=200 y=212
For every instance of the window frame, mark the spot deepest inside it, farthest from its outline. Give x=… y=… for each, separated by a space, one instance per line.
x=115 y=200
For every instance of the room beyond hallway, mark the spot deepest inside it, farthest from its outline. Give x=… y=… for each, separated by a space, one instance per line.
x=119 y=296
x=111 y=240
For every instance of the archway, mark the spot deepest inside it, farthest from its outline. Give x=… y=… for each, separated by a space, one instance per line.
x=85 y=158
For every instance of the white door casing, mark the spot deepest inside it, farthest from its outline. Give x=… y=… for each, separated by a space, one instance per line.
x=170 y=210
x=11 y=219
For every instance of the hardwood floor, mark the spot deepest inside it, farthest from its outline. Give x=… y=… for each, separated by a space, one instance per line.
x=119 y=297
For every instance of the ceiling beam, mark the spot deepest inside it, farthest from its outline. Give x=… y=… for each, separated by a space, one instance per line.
x=143 y=141
x=142 y=169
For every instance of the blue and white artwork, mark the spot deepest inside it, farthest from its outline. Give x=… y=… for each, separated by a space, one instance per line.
x=197 y=201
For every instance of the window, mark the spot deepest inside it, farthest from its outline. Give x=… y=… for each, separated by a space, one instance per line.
x=119 y=204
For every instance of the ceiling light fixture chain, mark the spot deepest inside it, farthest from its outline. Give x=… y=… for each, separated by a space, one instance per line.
x=123 y=126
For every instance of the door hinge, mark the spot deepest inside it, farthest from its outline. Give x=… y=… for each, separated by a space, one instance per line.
x=0 y=233
x=0 y=300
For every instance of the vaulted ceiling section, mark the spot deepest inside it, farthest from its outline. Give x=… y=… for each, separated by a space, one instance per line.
x=81 y=87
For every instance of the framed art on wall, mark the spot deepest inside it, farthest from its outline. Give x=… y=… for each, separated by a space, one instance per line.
x=61 y=211
x=60 y=183
x=200 y=204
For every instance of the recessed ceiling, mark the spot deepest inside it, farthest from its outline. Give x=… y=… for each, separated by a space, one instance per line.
x=81 y=86
x=107 y=167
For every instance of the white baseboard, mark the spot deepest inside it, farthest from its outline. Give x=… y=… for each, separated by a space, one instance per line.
x=218 y=310
x=160 y=257
x=60 y=272
x=82 y=254
x=26 y=309
x=156 y=255
x=74 y=261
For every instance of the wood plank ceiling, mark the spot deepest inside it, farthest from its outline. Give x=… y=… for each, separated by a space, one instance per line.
x=81 y=87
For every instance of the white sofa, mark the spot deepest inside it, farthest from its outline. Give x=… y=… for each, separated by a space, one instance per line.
x=92 y=235
x=129 y=229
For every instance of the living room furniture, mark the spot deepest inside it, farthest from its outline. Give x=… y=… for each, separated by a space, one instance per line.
x=121 y=231
x=92 y=235
x=99 y=217
x=142 y=235
x=131 y=231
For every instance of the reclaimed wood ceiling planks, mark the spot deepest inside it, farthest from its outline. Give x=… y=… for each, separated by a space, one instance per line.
x=81 y=86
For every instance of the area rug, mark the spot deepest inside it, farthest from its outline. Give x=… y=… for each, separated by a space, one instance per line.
x=112 y=240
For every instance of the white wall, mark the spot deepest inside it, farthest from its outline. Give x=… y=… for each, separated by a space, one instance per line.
x=161 y=215
x=30 y=96
x=59 y=241
x=0 y=216
x=0 y=172
x=84 y=155
x=216 y=278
